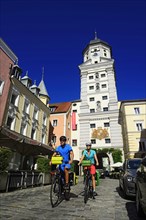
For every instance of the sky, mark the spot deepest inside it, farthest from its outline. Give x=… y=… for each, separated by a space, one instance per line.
x=53 y=33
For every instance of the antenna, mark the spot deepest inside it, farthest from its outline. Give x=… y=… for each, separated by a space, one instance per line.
x=95 y=35
x=43 y=73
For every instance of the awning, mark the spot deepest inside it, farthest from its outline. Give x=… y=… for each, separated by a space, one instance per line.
x=23 y=144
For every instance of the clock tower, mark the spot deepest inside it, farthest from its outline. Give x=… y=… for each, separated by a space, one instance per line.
x=99 y=112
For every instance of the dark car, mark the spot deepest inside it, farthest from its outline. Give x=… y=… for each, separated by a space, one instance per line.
x=141 y=188
x=127 y=176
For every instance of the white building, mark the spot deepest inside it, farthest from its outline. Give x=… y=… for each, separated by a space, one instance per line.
x=97 y=110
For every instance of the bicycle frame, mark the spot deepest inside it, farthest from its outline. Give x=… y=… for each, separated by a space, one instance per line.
x=88 y=186
x=57 y=188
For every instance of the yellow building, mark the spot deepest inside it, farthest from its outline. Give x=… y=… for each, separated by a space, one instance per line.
x=133 y=122
x=25 y=117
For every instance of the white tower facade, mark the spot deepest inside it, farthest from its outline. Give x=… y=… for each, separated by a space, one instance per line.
x=99 y=112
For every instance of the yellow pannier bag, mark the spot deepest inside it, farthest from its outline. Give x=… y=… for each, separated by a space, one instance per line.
x=86 y=163
x=57 y=160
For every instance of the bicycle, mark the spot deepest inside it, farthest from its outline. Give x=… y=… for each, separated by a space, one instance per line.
x=88 y=188
x=57 y=186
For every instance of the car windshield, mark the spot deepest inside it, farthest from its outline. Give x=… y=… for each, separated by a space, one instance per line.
x=133 y=164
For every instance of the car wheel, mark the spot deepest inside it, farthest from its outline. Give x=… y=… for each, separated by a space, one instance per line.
x=120 y=186
x=124 y=192
x=138 y=205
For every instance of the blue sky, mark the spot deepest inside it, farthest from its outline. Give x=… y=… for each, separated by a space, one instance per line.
x=53 y=34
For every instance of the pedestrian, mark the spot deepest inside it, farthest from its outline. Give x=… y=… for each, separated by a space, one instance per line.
x=90 y=154
x=66 y=151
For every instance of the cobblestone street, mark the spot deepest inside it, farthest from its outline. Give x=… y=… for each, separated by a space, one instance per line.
x=34 y=203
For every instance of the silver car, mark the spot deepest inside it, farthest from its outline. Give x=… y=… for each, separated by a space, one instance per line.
x=127 y=176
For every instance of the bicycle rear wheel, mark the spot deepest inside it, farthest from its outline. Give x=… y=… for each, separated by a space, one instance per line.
x=86 y=190
x=55 y=192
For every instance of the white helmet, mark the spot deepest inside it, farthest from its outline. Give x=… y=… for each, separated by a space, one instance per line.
x=88 y=144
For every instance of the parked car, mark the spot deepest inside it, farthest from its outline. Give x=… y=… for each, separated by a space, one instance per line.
x=141 y=188
x=127 y=176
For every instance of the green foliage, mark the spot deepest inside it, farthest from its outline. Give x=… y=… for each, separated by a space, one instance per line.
x=43 y=165
x=117 y=155
x=5 y=155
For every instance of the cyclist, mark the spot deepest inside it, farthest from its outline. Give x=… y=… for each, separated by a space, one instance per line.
x=66 y=151
x=90 y=154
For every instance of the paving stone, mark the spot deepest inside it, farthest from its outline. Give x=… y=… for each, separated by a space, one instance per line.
x=34 y=204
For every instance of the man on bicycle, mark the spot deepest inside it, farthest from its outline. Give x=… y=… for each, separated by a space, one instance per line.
x=90 y=154
x=66 y=151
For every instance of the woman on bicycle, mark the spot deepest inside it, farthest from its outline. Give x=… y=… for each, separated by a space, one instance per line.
x=90 y=154
x=66 y=151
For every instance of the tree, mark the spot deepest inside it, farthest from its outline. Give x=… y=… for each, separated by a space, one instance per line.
x=5 y=155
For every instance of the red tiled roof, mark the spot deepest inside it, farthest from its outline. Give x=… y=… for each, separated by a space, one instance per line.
x=60 y=107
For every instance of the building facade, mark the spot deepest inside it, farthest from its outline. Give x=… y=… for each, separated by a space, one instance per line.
x=24 y=118
x=60 y=119
x=133 y=122
x=99 y=112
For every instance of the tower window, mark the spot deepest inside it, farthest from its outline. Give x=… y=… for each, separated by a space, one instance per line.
x=107 y=140
x=91 y=87
x=95 y=62
x=102 y=75
x=92 y=125
x=103 y=86
x=105 y=109
x=91 y=99
x=90 y=77
x=104 y=97
x=92 y=110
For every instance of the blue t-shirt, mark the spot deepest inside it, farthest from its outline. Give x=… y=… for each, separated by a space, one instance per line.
x=89 y=156
x=64 y=151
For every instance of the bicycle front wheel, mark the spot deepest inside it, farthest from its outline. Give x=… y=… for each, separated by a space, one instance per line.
x=55 y=192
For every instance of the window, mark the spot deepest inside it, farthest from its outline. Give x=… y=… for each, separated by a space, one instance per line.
x=104 y=97
x=95 y=62
x=33 y=133
x=35 y=114
x=92 y=110
x=44 y=120
x=68 y=125
x=105 y=54
x=106 y=124
x=90 y=77
x=102 y=75
x=43 y=138
x=91 y=99
x=23 y=129
x=74 y=110
x=1 y=86
x=54 y=139
x=91 y=87
x=9 y=122
x=139 y=126
x=13 y=99
x=74 y=104
x=103 y=85
x=137 y=111
x=105 y=109
x=26 y=107
x=107 y=140
x=54 y=123
x=74 y=142
x=93 y=141
x=92 y=125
